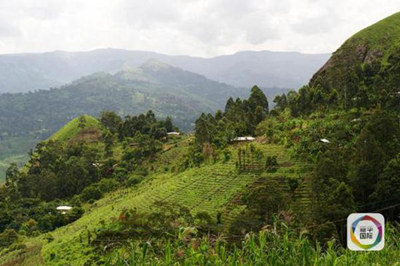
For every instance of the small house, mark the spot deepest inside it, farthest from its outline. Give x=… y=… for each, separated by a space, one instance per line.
x=324 y=141
x=64 y=209
x=243 y=139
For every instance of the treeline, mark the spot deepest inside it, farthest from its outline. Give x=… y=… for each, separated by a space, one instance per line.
x=240 y=118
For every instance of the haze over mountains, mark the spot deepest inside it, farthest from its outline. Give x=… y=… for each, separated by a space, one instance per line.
x=29 y=72
x=166 y=90
x=130 y=82
x=27 y=118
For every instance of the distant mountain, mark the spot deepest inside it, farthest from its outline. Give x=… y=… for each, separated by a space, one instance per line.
x=29 y=72
x=165 y=89
x=27 y=118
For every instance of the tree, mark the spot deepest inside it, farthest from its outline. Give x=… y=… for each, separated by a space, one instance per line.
x=229 y=105
x=202 y=129
x=388 y=187
x=12 y=174
x=168 y=124
x=331 y=193
x=280 y=102
x=82 y=122
x=91 y=193
x=258 y=98
x=376 y=145
x=111 y=121
x=46 y=186
x=109 y=139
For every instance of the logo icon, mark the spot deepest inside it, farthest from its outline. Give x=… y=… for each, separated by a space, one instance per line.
x=365 y=231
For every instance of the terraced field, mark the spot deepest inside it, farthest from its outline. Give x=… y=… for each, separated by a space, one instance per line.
x=213 y=188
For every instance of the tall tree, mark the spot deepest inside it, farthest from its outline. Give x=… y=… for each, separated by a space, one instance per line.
x=111 y=120
x=168 y=124
x=258 y=98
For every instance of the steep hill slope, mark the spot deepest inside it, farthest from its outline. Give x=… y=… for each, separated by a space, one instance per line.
x=28 y=72
x=368 y=52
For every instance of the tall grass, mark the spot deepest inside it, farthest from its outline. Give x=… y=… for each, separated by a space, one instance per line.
x=264 y=248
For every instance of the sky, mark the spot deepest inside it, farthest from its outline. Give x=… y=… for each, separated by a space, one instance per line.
x=192 y=27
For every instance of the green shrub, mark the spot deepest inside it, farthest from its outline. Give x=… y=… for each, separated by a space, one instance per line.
x=107 y=184
x=227 y=155
x=91 y=193
x=8 y=237
x=271 y=164
x=134 y=180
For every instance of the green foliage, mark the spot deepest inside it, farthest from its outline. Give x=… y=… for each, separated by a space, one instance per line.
x=264 y=248
x=106 y=185
x=271 y=163
x=111 y=121
x=388 y=187
x=72 y=128
x=91 y=193
x=72 y=166
x=134 y=180
x=8 y=237
x=239 y=119
x=362 y=73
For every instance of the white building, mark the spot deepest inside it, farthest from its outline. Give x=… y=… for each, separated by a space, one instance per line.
x=242 y=139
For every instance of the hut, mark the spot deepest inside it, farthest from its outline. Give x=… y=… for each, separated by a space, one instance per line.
x=64 y=209
x=244 y=139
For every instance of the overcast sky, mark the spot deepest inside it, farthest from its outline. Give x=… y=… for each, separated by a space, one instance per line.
x=192 y=27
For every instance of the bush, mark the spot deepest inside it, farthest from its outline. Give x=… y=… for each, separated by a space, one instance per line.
x=227 y=155
x=76 y=201
x=134 y=180
x=107 y=185
x=120 y=173
x=142 y=171
x=271 y=164
x=293 y=184
x=75 y=214
x=29 y=226
x=91 y=193
x=8 y=237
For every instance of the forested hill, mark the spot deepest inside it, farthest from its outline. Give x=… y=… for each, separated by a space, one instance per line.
x=29 y=72
x=166 y=90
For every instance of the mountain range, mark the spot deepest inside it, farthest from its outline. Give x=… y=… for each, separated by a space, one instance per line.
x=29 y=72
x=27 y=118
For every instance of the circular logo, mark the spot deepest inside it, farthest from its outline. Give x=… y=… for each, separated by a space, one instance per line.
x=355 y=240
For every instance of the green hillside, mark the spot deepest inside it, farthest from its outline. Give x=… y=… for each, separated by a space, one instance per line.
x=28 y=118
x=212 y=188
x=72 y=128
x=142 y=196
x=251 y=185
x=369 y=57
x=363 y=74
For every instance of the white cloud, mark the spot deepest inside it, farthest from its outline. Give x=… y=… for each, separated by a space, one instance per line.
x=195 y=27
